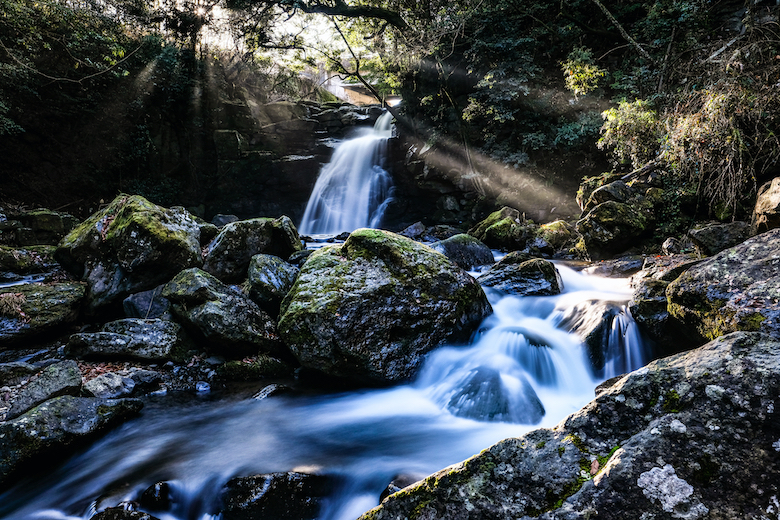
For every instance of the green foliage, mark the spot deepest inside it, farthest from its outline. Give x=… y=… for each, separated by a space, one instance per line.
x=581 y=75
x=631 y=131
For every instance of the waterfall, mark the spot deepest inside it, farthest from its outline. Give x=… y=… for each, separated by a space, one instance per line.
x=354 y=188
x=527 y=366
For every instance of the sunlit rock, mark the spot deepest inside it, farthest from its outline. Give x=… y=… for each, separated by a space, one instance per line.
x=737 y=289
x=506 y=229
x=369 y=310
x=766 y=214
x=132 y=245
x=687 y=435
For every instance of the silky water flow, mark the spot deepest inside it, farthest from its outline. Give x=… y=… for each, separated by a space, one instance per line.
x=526 y=367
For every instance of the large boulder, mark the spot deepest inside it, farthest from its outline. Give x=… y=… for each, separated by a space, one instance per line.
x=32 y=309
x=766 y=214
x=737 y=289
x=517 y=274
x=711 y=239
x=226 y=320
x=370 y=309
x=52 y=430
x=132 y=338
x=691 y=436
x=617 y=191
x=465 y=251
x=613 y=227
x=132 y=245
x=228 y=255
x=281 y=496
x=506 y=229
x=32 y=259
x=61 y=378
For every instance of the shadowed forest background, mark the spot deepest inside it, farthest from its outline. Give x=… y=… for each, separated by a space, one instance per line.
x=506 y=98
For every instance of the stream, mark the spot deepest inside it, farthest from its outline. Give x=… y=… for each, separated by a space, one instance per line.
x=466 y=398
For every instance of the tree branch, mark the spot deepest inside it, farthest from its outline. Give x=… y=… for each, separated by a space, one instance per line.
x=623 y=32
x=341 y=8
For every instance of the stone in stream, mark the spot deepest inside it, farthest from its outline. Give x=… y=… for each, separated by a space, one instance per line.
x=281 y=496
x=226 y=321
x=109 y=386
x=692 y=436
x=370 y=309
x=518 y=273
x=130 y=246
x=121 y=513
x=55 y=429
x=229 y=254
x=506 y=229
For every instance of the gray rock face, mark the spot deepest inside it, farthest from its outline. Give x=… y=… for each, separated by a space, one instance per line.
x=270 y=279
x=62 y=378
x=229 y=323
x=766 y=214
x=109 y=386
x=51 y=430
x=32 y=309
x=714 y=238
x=132 y=338
x=613 y=227
x=617 y=191
x=229 y=253
x=691 y=436
x=370 y=309
x=737 y=289
x=514 y=274
x=465 y=251
x=148 y=304
x=281 y=496
x=130 y=246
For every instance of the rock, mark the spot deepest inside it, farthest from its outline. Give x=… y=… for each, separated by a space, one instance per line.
x=398 y=483
x=52 y=430
x=32 y=309
x=228 y=255
x=47 y=226
x=687 y=435
x=145 y=380
x=559 y=234
x=62 y=378
x=370 y=309
x=33 y=259
x=766 y=214
x=15 y=372
x=621 y=267
x=120 y=513
x=505 y=229
x=415 y=231
x=299 y=257
x=130 y=246
x=737 y=289
x=465 y=251
x=254 y=368
x=220 y=220
x=148 y=305
x=613 y=227
x=513 y=274
x=228 y=322
x=157 y=497
x=269 y=279
x=132 y=338
x=590 y=184
x=714 y=238
x=281 y=496
x=617 y=191
x=109 y=385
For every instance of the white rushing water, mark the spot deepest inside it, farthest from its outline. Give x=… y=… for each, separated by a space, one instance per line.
x=354 y=188
x=523 y=370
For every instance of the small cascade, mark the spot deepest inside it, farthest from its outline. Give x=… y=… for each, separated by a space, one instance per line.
x=354 y=188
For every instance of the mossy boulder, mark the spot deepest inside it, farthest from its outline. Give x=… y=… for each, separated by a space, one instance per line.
x=617 y=191
x=269 y=279
x=465 y=251
x=737 y=289
x=690 y=436
x=591 y=184
x=254 y=368
x=32 y=259
x=558 y=233
x=228 y=255
x=711 y=239
x=370 y=309
x=517 y=274
x=55 y=429
x=32 y=309
x=150 y=340
x=614 y=227
x=130 y=246
x=222 y=318
x=505 y=229
x=61 y=378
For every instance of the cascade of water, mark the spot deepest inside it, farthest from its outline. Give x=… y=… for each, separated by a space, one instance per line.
x=354 y=188
x=525 y=368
